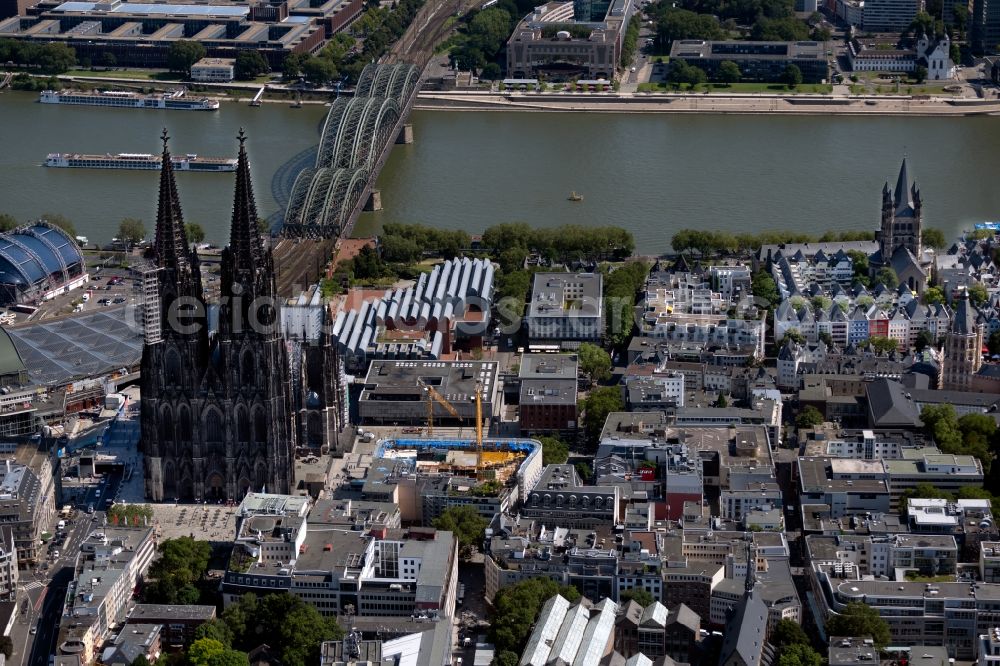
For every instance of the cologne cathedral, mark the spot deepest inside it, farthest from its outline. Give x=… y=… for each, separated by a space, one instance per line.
x=221 y=410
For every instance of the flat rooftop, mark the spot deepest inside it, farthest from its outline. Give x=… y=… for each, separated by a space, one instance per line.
x=152 y=9
x=817 y=475
x=455 y=380
x=566 y=295
x=697 y=48
x=87 y=345
x=548 y=366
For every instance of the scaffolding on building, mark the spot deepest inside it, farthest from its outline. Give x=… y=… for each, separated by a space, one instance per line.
x=148 y=299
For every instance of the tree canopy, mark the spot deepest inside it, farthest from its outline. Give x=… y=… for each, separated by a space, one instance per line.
x=621 y=289
x=131 y=231
x=934 y=238
x=638 y=595
x=972 y=434
x=465 y=523
x=249 y=65
x=858 y=619
x=130 y=514
x=554 y=451
x=788 y=632
x=194 y=233
x=808 y=417
x=290 y=626
x=601 y=402
x=183 y=54
x=515 y=608
x=595 y=362
x=181 y=563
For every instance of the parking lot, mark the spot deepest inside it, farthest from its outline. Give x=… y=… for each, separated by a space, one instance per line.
x=106 y=289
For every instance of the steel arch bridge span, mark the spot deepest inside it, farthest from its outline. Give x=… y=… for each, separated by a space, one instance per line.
x=356 y=131
x=396 y=81
x=325 y=200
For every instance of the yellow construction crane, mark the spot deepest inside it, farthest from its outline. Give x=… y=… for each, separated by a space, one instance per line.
x=432 y=397
x=479 y=430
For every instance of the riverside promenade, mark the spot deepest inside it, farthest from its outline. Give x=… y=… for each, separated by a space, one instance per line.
x=804 y=104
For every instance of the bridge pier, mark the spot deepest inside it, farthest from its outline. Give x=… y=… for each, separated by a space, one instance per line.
x=405 y=134
x=374 y=202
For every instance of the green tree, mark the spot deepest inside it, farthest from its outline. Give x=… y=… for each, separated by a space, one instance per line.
x=595 y=362
x=924 y=340
x=215 y=629
x=978 y=295
x=883 y=345
x=792 y=76
x=131 y=231
x=638 y=595
x=141 y=660
x=291 y=66
x=721 y=402
x=7 y=223
x=319 y=71
x=933 y=296
x=203 y=651
x=601 y=402
x=921 y=491
x=764 y=288
x=887 y=276
x=934 y=238
x=919 y=73
x=293 y=628
x=60 y=221
x=465 y=523
x=181 y=563
x=183 y=54
x=994 y=342
x=130 y=514
x=554 y=451
x=194 y=233
x=792 y=335
x=672 y=24
x=584 y=470
x=491 y=72
x=788 y=632
x=368 y=264
x=799 y=654
x=680 y=72
x=506 y=658
x=6 y=646
x=808 y=417
x=108 y=60
x=249 y=65
x=729 y=72
x=857 y=620
x=515 y=608
x=55 y=58
x=922 y=24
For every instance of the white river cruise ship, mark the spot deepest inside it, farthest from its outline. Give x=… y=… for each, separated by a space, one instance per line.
x=175 y=99
x=190 y=162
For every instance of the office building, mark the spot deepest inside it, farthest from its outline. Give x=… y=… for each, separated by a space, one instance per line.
x=758 y=61
x=566 y=306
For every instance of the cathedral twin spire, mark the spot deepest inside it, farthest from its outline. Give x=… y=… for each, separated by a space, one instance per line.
x=170 y=247
x=245 y=245
x=244 y=234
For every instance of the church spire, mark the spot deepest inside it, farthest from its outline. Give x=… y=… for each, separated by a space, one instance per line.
x=903 y=196
x=171 y=241
x=244 y=235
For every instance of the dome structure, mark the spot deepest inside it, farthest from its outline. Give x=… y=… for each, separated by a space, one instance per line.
x=37 y=260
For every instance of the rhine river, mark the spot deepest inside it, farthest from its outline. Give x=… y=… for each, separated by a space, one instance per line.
x=649 y=173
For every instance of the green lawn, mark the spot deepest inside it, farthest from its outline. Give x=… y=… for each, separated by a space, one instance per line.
x=138 y=74
x=720 y=88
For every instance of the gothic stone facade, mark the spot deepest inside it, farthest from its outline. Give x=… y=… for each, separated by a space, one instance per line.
x=219 y=415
